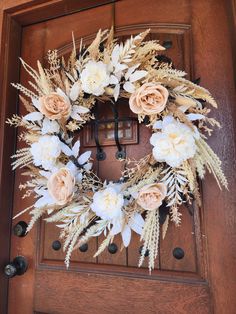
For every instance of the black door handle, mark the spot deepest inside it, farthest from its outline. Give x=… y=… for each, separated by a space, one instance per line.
x=17 y=267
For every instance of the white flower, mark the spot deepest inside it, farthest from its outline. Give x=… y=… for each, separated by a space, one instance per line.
x=94 y=78
x=132 y=76
x=46 y=151
x=120 y=225
x=77 y=110
x=45 y=198
x=50 y=126
x=175 y=143
x=108 y=203
x=74 y=91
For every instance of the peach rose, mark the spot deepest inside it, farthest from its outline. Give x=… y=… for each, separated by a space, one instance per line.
x=55 y=107
x=61 y=186
x=151 y=196
x=150 y=98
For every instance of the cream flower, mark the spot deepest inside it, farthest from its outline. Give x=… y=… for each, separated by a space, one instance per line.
x=150 y=98
x=175 y=143
x=95 y=78
x=55 y=106
x=124 y=226
x=108 y=203
x=61 y=186
x=46 y=151
x=151 y=196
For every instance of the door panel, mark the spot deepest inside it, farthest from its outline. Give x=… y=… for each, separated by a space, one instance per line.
x=112 y=283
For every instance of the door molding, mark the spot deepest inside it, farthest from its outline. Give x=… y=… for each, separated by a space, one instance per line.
x=14 y=15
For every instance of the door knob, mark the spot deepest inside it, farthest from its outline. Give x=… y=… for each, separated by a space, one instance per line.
x=16 y=268
x=20 y=228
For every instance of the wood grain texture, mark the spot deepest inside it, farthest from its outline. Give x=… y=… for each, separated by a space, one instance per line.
x=117 y=295
x=219 y=207
x=211 y=25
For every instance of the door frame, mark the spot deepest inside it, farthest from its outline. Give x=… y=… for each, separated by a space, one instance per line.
x=14 y=15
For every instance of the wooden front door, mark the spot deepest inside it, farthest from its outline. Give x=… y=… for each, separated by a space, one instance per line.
x=202 y=280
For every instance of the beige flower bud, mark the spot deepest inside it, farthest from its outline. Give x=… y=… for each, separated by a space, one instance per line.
x=151 y=196
x=150 y=98
x=55 y=107
x=61 y=186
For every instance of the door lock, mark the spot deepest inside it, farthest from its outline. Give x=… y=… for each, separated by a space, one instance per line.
x=17 y=267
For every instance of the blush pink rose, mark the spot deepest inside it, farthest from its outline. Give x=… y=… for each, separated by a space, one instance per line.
x=61 y=186
x=150 y=98
x=55 y=107
x=151 y=196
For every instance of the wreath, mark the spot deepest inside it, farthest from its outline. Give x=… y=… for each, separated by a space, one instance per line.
x=60 y=102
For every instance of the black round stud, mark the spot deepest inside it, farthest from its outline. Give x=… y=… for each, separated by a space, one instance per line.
x=120 y=154
x=112 y=248
x=83 y=248
x=167 y=44
x=140 y=251
x=20 y=228
x=101 y=155
x=56 y=245
x=178 y=253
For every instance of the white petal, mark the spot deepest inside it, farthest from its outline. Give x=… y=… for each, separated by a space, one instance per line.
x=129 y=87
x=76 y=116
x=183 y=108
x=167 y=120
x=136 y=223
x=157 y=125
x=131 y=70
x=66 y=150
x=126 y=235
x=113 y=80
x=50 y=126
x=88 y=166
x=82 y=109
x=45 y=200
x=83 y=218
x=36 y=103
x=76 y=209
x=72 y=167
x=75 y=148
x=137 y=75
x=45 y=174
x=120 y=67
x=79 y=177
x=62 y=94
x=134 y=194
x=84 y=157
x=33 y=116
x=195 y=116
x=116 y=227
x=41 y=192
x=61 y=226
x=116 y=92
x=115 y=54
x=75 y=90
